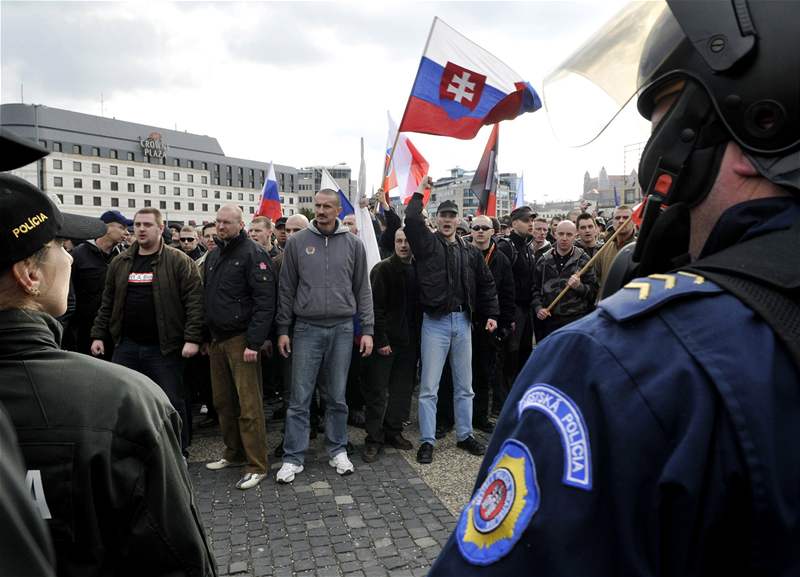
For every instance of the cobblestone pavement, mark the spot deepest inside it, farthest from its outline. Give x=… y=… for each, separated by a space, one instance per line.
x=382 y=520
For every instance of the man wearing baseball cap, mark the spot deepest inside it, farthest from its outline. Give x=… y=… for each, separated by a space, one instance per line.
x=100 y=441
x=89 y=266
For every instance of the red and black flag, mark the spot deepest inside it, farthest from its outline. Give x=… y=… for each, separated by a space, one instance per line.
x=484 y=183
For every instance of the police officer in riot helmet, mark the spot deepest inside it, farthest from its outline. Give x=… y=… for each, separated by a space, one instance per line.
x=100 y=442
x=656 y=436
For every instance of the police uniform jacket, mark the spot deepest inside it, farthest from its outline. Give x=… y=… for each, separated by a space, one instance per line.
x=655 y=436
x=104 y=462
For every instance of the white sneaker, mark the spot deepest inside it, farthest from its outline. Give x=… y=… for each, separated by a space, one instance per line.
x=287 y=472
x=250 y=480
x=342 y=463
x=203 y=409
x=221 y=464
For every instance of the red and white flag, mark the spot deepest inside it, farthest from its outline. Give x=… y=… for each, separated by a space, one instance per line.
x=408 y=167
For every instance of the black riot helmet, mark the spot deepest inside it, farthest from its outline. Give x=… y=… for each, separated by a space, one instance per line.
x=737 y=64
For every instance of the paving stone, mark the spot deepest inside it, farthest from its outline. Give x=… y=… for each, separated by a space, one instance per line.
x=425 y=542
x=343 y=499
x=238 y=567
x=355 y=522
x=384 y=542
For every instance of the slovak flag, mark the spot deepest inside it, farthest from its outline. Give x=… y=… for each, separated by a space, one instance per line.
x=270 y=199
x=408 y=167
x=461 y=87
x=328 y=182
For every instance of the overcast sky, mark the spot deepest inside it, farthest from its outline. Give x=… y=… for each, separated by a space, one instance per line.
x=299 y=83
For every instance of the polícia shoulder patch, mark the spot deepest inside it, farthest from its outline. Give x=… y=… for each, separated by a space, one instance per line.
x=501 y=509
x=568 y=421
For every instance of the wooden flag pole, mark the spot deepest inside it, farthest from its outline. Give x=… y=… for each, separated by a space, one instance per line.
x=588 y=264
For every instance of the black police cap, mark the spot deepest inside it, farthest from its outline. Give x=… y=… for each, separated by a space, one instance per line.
x=447 y=206
x=18 y=151
x=522 y=212
x=29 y=220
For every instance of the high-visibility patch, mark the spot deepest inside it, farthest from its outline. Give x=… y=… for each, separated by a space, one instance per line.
x=568 y=420
x=501 y=509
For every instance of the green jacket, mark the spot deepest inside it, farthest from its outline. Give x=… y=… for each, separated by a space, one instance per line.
x=177 y=291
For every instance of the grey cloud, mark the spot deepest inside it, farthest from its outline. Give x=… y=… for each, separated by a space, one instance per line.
x=70 y=49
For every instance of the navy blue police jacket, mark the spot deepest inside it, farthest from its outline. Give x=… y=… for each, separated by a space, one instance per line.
x=656 y=436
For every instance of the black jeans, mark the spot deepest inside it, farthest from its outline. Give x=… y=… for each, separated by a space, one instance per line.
x=165 y=371
x=387 y=391
x=484 y=363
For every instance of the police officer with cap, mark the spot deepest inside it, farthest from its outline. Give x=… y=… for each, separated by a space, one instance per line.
x=657 y=435
x=100 y=441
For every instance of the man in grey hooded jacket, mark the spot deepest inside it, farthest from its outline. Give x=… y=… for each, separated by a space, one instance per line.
x=324 y=284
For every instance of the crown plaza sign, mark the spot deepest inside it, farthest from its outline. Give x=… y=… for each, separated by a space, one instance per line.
x=154 y=146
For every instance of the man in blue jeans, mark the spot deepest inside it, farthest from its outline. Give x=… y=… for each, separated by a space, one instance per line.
x=454 y=283
x=152 y=308
x=324 y=282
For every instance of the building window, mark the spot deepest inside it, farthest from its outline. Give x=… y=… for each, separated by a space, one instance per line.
x=240 y=196
x=216 y=169
x=191 y=206
x=60 y=198
x=252 y=197
x=216 y=194
x=56 y=164
x=76 y=149
x=95 y=185
x=77 y=183
x=189 y=192
x=56 y=147
x=131 y=203
x=291 y=200
x=227 y=182
x=176 y=191
x=204 y=165
x=147 y=189
x=95 y=151
x=113 y=170
x=114 y=186
x=162 y=204
x=77 y=199
x=176 y=176
x=216 y=207
x=130 y=156
x=190 y=177
x=204 y=193
x=76 y=166
x=162 y=175
x=252 y=210
x=162 y=190
x=177 y=205
x=147 y=203
x=96 y=201
x=190 y=163
x=146 y=173
x=205 y=207
x=58 y=181
x=177 y=162
x=114 y=201
x=113 y=153
x=131 y=187
x=203 y=180
x=228 y=195
x=216 y=180
x=241 y=184
x=95 y=168
x=130 y=171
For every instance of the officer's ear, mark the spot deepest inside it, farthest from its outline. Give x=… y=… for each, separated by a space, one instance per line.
x=739 y=163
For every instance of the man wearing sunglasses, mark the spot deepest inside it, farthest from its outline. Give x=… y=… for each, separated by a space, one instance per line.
x=189 y=243
x=485 y=345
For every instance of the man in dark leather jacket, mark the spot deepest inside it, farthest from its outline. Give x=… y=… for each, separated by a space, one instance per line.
x=454 y=284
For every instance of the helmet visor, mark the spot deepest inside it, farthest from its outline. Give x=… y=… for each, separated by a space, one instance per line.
x=589 y=89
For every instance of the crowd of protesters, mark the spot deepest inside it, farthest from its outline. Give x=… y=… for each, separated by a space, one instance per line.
x=214 y=315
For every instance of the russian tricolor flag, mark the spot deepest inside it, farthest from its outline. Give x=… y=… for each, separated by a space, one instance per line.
x=461 y=87
x=328 y=182
x=270 y=199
